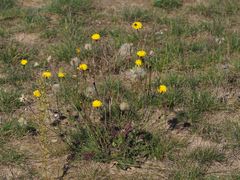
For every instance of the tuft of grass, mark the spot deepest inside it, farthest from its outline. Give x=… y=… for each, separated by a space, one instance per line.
x=11 y=156
x=207 y=155
x=136 y=14
x=235 y=42
x=199 y=103
x=34 y=19
x=167 y=4
x=104 y=144
x=74 y=7
x=7 y=4
x=9 y=101
x=193 y=172
x=13 y=128
x=232 y=132
x=64 y=51
x=218 y=8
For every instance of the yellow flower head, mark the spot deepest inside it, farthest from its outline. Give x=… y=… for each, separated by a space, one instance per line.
x=162 y=89
x=24 y=62
x=46 y=74
x=78 y=50
x=37 y=93
x=138 y=62
x=96 y=37
x=141 y=53
x=97 y=104
x=83 y=67
x=137 y=25
x=61 y=74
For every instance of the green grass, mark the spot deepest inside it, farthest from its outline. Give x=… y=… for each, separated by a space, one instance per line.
x=9 y=101
x=193 y=172
x=105 y=145
x=196 y=55
x=207 y=155
x=74 y=7
x=11 y=156
x=7 y=4
x=136 y=14
x=8 y=131
x=167 y=4
x=13 y=128
x=218 y=8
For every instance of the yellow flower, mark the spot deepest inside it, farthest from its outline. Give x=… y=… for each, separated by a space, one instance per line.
x=96 y=104
x=78 y=50
x=137 y=25
x=138 y=62
x=46 y=74
x=37 y=93
x=61 y=74
x=83 y=67
x=141 y=53
x=162 y=89
x=24 y=62
x=96 y=37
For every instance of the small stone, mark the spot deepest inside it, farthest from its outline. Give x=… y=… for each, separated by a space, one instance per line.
x=125 y=50
x=159 y=33
x=22 y=121
x=124 y=106
x=74 y=76
x=56 y=88
x=36 y=64
x=136 y=73
x=22 y=98
x=90 y=91
x=75 y=61
x=54 y=140
x=88 y=47
x=49 y=59
x=220 y=40
x=151 y=53
x=95 y=117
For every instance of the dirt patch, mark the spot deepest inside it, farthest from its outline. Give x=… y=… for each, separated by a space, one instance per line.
x=93 y=170
x=32 y=3
x=199 y=142
x=27 y=39
x=229 y=167
x=194 y=2
x=115 y=4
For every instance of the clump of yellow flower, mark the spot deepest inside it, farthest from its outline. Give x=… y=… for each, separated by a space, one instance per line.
x=78 y=50
x=141 y=53
x=97 y=104
x=96 y=37
x=24 y=62
x=137 y=25
x=61 y=74
x=37 y=93
x=83 y=67
x=46 y=74
x=138 y=62
x=162 y=89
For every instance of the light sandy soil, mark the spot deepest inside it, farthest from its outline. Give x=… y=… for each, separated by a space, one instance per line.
x=32 y=3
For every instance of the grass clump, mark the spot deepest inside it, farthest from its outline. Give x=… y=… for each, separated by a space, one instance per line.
x=167 y=4
x=65 y=7
x=14 y=128
x=127 y=145
x=9 y=101
x=10 y=156
x=7 y=4
x=136 y=14
x=207 y=155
